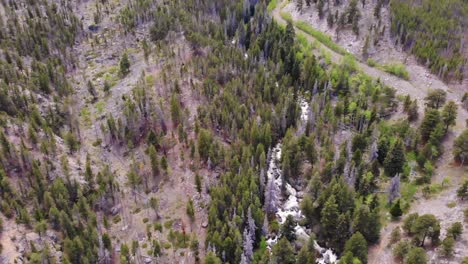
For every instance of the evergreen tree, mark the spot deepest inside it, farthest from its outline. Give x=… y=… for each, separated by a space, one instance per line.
x=283 y=252
x=447 y=246
x=435 y=98
x=460 y=148
x=288 y=230
x=395 y=210
x=198 y=183
x=124 y=65
x=190 y=210
x=395 y=159
x=455 y=230
x=416 y=255
x=367 y=223
x=449 y=114
x=154 y=160
x=426 y=226
x=329 y=217
x=211 y=258
x=462 y=191
x=358 y=246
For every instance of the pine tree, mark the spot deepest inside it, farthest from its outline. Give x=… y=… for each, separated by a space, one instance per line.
x=198 y=183
x=283 y=252
x=429 y=123
x=154 y=160
x=133 y=180
x=92 y=91
x=124 y=65
x=329 y=217
x=367 y=222
x=460 y=147
x=176 y=110
x=395 y=159
x=190 y=210
x=89 y=176
x=357 y=245
x=455 y=230
x=154 y=203
x=395 y=210
x=330 y=20
x=288 y=230
x=413 y=111
x=106 y=87
x=436 y=98
x=449 y=114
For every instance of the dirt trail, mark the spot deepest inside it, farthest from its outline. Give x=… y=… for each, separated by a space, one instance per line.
x=417 y=88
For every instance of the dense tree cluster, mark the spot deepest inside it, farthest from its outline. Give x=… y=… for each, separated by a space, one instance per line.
x=433 y=30
x=256 y=77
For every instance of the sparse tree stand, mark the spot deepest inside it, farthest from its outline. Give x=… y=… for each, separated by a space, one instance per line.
x=300 y=5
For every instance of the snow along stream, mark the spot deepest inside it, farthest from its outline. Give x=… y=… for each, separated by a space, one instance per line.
x=290 y=205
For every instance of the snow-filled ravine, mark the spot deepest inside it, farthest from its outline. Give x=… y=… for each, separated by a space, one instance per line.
x=290 y=205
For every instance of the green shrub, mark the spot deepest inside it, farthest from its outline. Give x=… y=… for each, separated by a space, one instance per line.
x=320 y=36
x=396 y=69
x=371 y=62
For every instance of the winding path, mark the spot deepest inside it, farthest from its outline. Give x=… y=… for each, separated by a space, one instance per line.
x=415 y=87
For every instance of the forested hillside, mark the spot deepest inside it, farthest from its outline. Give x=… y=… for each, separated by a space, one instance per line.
x=200 y=131
x=434 y=31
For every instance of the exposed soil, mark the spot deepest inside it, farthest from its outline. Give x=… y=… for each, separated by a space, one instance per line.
x=98 y=56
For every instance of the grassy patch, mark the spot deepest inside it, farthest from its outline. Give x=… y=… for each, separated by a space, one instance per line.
x=284 y=4
x=179 y=239
x=158 y=227
x=100 y=107
x=168 y=224
x=371 y=62
x=99 y=75
x=396 y=69
x=86 y=116
x=286 y=16
x=408 y=190
x=320 y=36
x=149 y=79
x=166 y=245
x=451 y=204
x=349 y=62
x=272 y=5
x=97 y=142
x=116 y=219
